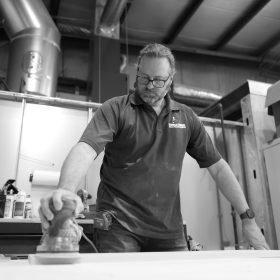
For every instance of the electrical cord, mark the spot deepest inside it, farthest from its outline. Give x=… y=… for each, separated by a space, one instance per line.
x=112 y=213
x=90 y=242
x=87 y=239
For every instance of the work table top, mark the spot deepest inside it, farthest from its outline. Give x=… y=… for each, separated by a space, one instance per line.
x=204 y=265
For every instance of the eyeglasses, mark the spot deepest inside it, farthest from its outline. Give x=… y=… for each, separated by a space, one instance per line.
x=157 y=83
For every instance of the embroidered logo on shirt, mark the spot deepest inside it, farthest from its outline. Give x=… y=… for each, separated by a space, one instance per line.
x=174 y=120
x=175 y=123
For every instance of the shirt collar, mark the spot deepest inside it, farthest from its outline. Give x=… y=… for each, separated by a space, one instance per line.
x=135 y=99
x=171 y=105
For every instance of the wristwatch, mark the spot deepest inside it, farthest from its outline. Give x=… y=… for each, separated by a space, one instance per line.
x=248 y=214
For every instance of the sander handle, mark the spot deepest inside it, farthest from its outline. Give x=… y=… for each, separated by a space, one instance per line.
x=67 y=212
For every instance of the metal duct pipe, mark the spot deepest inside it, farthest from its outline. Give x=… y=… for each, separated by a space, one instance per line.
x=35 y=46
x=74 y=31
x=110 y=16
x=182 y=90
x=195 y=98
x=112 y=12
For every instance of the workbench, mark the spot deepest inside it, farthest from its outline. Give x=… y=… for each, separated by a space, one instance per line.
x=21 y=236
x=237 y=265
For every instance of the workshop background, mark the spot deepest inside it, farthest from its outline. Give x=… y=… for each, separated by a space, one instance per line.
x=59 y=59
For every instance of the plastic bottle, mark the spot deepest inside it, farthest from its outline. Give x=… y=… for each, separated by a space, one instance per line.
x=19 y=205
x=28 y=207
x=9 y=206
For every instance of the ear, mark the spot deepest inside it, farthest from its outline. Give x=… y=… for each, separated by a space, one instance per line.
x=134 y=84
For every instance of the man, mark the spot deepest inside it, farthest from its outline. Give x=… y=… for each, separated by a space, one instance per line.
x=145 y=136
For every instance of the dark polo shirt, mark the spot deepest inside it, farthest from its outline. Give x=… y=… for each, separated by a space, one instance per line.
x=143 y=159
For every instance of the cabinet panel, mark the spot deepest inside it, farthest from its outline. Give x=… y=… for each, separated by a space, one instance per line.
x=272 y=161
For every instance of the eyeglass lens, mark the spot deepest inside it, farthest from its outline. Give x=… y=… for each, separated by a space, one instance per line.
x=155 y=82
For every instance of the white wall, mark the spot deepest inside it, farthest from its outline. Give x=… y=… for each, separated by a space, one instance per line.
x=199 y=204
x=199 y=197
x=48 y=135
x=10 y=122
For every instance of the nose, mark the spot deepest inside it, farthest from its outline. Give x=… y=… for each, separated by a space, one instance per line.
x=150 y=84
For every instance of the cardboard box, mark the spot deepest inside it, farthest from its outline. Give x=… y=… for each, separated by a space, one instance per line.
x=273 y=103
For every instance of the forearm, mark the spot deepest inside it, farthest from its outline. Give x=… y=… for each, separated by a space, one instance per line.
x=229 y=186
x=231 y=189
x=76 y=166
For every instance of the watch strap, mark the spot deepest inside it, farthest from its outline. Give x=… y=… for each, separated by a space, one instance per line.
x=248 y=214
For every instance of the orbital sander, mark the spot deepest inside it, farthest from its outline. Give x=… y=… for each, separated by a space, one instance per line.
x=60 y=242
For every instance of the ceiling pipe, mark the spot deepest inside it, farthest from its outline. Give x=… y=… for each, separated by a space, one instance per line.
x=109 y=21
x=35 y=46
x=194 y=97
x=195 y=93
x=112 y=12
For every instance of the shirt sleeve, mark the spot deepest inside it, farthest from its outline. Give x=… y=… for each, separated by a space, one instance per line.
x=103 y=126
x=200 y=145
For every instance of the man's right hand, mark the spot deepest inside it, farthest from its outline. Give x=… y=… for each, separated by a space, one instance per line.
x=46 y=215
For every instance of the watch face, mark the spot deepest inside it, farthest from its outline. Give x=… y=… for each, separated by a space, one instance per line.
x=250 y=214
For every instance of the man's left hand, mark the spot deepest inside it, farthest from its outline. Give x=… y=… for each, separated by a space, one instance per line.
x=253 y=234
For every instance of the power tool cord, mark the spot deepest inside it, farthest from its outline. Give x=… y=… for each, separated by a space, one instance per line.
x=88 y=240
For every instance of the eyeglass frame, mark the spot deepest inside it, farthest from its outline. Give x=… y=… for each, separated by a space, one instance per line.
x=152 y=80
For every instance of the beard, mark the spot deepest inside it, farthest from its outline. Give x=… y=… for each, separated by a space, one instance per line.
x=151 y=97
